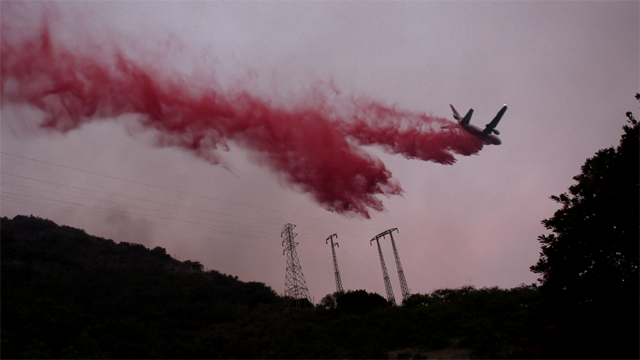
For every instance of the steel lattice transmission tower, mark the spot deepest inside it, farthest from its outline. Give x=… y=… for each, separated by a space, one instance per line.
x=403 y=282
x=294 y=284
x=385 y=274
x=336 y=271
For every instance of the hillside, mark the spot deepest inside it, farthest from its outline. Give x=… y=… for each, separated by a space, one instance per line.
x=67 y=294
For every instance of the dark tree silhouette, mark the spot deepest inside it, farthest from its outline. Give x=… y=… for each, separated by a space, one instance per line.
x=357 y=302
x=589 y=264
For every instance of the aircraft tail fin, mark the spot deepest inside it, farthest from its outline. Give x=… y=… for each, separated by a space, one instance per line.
x=467 y=118
x=456 y=115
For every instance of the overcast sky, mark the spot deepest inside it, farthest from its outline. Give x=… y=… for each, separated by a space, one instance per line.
x=567 y=70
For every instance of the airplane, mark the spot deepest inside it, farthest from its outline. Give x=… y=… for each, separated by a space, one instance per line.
x=485 y=135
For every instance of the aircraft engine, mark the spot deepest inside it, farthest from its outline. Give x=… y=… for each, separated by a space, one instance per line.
x=496 y=132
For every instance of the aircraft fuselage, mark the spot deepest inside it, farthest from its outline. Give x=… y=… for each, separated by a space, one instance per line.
x=488 y=140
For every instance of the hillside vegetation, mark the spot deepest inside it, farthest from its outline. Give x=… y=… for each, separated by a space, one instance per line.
x=67 y=294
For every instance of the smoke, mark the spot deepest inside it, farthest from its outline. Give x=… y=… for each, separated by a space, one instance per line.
x=313 y=144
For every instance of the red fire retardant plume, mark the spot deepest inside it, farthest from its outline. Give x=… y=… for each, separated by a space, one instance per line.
x=311 y=147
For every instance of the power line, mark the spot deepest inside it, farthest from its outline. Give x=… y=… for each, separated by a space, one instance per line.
x=134 y=198
x=163 y=204
x=111 y=214
x=190 y=226
x=173 y=190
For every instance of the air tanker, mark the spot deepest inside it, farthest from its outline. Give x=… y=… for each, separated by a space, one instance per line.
x=487 y=135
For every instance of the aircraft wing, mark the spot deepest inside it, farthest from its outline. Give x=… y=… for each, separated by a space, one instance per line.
x=492 y=125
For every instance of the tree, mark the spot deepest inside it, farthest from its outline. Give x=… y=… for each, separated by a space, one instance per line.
x=589 y=263
x=328 y=302
x=359 y=302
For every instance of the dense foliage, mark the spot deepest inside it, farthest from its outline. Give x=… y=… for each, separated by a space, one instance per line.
x=467 y=322
x=66 y=294
x=69 y=294
x=589 y=263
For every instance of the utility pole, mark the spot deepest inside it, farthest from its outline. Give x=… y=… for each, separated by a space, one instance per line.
x=385 y=274
x=336 y=271
x=294 y=283
x=403 y=282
